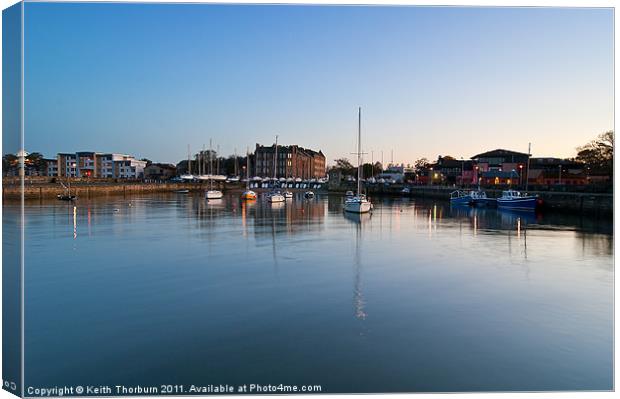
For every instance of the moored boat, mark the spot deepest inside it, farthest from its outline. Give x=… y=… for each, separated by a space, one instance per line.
x=459 y=197
x=309 y=194
x=358 y=203
x=248 y=194
x=214 y=194
x=66 y=197
x=480 y=198
x=211 y=193
x=275 y=196
x=513 y=199
x=288 y=194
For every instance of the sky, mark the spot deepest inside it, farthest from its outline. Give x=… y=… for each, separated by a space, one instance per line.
x=151 y=79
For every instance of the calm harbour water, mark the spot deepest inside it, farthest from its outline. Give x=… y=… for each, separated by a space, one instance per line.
x=170 y=289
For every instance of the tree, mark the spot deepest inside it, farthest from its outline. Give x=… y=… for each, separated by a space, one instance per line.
x=421 y=165
x=598 y=154
x=368 y=170
x=10 y=162
x=345 y=166
x=343 y=163
x=35 y=161
x=148 y=161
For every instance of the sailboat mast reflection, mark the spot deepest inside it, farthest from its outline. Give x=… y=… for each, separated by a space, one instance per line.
x=358 y=296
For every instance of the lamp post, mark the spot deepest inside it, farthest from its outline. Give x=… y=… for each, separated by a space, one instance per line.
x=430 y=176
x=520 y=175
x=529 y=155
x=560 y=174
x=477 y=177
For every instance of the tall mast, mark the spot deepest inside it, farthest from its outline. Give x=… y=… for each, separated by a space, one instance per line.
x=217 y=160
x=236 y=162
x=359 y=150
x=275 y=159
x=247 y=168
x=203 y=168
x=189 y=164
x=210 y=164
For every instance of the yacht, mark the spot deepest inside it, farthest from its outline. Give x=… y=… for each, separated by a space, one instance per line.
x=211 y=193
x=275 y=196
x=358 y=203
x=248 y=194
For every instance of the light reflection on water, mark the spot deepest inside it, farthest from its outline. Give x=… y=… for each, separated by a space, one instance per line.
x=418 y=296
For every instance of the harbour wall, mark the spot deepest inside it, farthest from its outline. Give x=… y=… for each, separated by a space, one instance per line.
x=88 y=190
x=571 y=202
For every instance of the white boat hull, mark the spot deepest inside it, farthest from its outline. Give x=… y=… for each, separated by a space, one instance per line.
x=357 y=206
x=214 y=194
x=276 y=198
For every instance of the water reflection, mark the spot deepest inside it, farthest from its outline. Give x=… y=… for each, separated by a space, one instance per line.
x=434 y=297
x=358 y=296
x=297 y=216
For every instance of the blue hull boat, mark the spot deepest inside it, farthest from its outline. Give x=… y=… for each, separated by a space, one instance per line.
x=460 y=198
x=515 y=200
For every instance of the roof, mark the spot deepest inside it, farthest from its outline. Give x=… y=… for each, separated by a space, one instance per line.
x=306 y=151
x=499 y=153
x=501 y=174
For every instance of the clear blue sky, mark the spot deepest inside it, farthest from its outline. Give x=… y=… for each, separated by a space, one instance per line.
x=149 y=79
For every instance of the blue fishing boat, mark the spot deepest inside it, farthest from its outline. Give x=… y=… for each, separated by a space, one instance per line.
x=459 y=197
x=480 y=198
x=513 y=199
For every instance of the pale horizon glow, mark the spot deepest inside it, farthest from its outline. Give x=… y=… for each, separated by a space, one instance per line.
x=149 y=79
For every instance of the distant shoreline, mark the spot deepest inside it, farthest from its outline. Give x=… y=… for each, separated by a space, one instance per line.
x=571 y=202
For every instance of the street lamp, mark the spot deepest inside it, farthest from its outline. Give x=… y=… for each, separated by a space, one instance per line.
x=477 y=177
x=430 y=176
x=560 y=175
x=520 y=175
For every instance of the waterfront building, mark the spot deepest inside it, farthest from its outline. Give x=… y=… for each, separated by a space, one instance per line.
x=160 y=171
x=292 y=161
x=51 y=168
x=67 y=165
x=553 y=171
x=98 y=165
x=499 y=178
x=455 y=171
x=501 y=160
x=395 y=173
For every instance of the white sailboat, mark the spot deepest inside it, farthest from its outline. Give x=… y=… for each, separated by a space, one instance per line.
x=248 y=194
x=211 y=193
x=358 y=203
x=276 y=195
